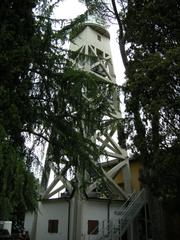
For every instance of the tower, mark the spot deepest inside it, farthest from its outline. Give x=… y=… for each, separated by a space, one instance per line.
x=91 y=52
x=93 y=55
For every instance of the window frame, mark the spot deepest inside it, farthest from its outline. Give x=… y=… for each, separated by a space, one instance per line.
x=99 y=37
x=53 y=225
x=93 y=224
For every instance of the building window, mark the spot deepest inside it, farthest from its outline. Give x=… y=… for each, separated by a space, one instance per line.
x=99 y=37
x=93 y=226
x=53 y=226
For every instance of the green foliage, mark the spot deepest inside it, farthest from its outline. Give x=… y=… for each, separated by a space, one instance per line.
x=17 y=26
x=152 y=91
x=76 y=112
x=18 y=187
x=41 y=95
x=150 y=31
x=103 y=10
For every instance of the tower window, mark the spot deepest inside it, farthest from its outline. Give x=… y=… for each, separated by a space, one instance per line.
x=53 y=226
x=99 y=37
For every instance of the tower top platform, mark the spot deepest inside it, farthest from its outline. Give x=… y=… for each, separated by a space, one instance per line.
x=98 y=28
x=96 y=24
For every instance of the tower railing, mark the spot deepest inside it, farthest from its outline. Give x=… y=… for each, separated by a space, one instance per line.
x=131 y=208
x=113 y=229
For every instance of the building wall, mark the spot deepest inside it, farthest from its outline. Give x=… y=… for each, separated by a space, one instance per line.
x=135 y=168
x=135 y=171
x=93 y=210
x=114 y=209
x=89 y=37
x=101 y=210
x=6 y=225
x=29 y=223
x=52 y=210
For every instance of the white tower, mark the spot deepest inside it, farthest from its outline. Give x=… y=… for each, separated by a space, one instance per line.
x=91 y=46
x=91 y=53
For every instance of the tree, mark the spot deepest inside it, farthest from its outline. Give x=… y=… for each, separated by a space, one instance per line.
x=149 y=45
x=152 y=98
x=41 y=95
x=16 y=31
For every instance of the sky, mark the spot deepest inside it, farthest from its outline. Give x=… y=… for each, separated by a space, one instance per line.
x=72 y=8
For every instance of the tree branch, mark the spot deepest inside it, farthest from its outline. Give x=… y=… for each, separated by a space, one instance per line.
x=36 y=134
x=121 y=35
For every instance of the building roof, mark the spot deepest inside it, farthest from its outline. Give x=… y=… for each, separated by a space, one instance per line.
x=99 y=28
x=95 y=26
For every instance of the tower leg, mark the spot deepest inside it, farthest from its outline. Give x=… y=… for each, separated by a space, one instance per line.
x=127 y=178
x=76 y=216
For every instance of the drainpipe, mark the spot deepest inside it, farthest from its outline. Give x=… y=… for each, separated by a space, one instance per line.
x=69 y=216
x=146 y=227
x=33 y=232
x=108 y=214
x=108 y=210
